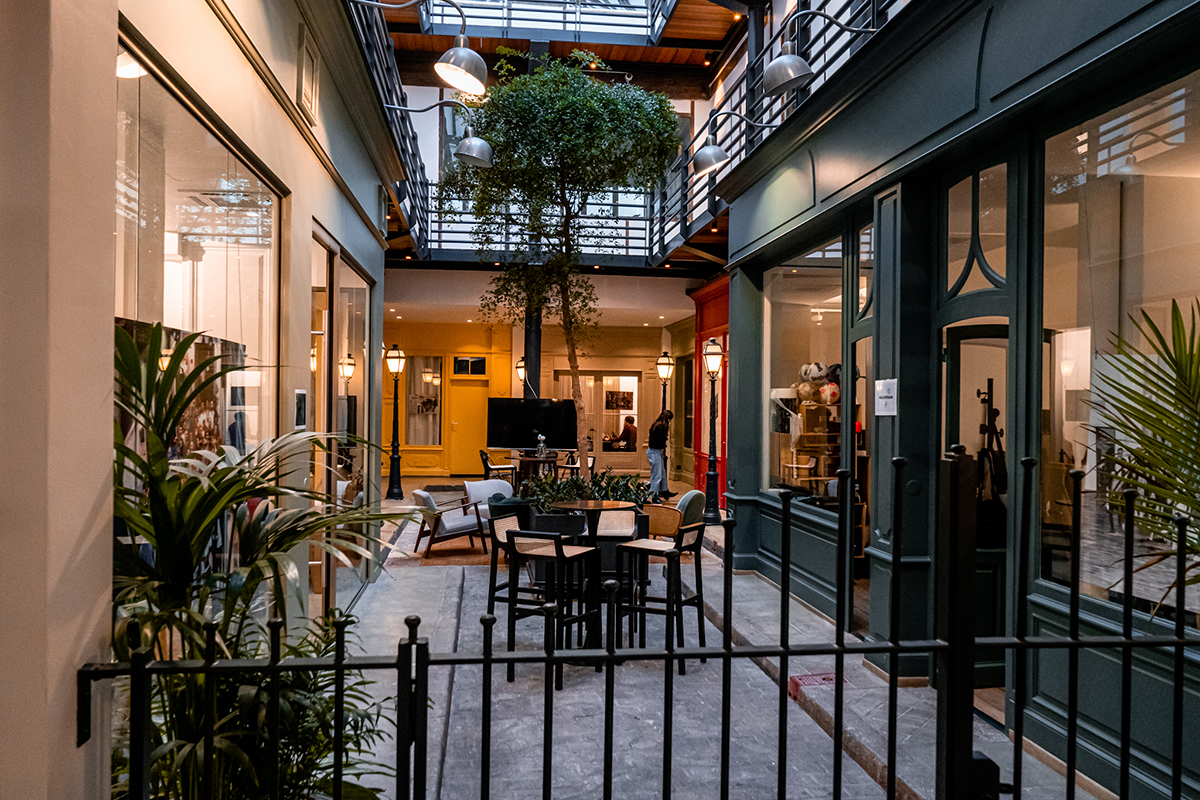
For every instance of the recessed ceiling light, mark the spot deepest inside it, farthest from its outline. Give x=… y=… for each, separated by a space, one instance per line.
x=660 y=316
x=391 y=309
x=468 y=320
x=736 y=17
x=399 y=317
x=645 y=324
x=793 y=270
x=408 y=258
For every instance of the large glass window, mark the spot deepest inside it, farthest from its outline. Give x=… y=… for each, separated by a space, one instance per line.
x=977 y=231
x=195 y=240
x=1122 y=197
x=803 y=362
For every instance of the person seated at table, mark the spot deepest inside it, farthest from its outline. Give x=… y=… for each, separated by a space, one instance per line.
x=628 y=438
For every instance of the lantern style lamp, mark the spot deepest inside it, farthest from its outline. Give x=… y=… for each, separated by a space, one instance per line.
x=521 y=369
x=164 y=359
x=346 y=368
x=666 y=368
x=713 y=357
x=427 y=375
x=394 y=359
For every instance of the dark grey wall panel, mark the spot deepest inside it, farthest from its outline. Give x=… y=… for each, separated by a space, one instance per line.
x=773 y=202
x=1059 y=29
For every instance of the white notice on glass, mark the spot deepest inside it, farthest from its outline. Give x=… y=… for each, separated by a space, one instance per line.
x=885 y=398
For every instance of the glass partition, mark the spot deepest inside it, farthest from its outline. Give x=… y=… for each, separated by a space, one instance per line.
x=1122 y=196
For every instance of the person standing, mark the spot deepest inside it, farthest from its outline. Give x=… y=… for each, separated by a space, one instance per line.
x=656 y=453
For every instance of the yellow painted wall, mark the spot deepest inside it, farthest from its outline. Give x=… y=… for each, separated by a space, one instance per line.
x=444 y=340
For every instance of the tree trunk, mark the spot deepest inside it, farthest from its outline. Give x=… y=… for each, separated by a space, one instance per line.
x=568 y=326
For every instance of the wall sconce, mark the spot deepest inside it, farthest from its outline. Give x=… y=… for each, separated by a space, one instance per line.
x=460 y=66
x=789 y=71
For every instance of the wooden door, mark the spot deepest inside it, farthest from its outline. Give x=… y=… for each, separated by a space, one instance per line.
x=466 y=405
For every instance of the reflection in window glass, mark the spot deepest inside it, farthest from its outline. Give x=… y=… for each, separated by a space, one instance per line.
x=423 y=404
x=804 y=353
x=196 y=235
x=352 y=321
x=1121 y=203
x=862 y=379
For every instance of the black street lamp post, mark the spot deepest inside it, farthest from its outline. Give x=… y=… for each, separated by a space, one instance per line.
x=713 y=356
x=395 y=365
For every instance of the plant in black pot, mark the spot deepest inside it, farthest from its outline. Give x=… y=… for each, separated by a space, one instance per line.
x=545 y=490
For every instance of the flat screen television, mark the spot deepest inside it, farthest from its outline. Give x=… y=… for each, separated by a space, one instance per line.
x=514 y=423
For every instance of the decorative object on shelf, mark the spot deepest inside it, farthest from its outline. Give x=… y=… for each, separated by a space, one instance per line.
x=815 y=372
x=830 y=393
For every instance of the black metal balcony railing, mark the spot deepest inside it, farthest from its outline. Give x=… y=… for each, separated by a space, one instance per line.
x=960 y=774
x=578 y=20
x=684 y=204
x=616 y=226
x=371 y=31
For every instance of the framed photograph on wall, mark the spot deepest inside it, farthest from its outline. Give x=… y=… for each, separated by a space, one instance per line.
x=618 y=401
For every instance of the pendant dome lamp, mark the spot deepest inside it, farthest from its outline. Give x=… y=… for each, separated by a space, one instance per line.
x=471 y=150
x=460 y=66
x=789 y=71
x=712 y=156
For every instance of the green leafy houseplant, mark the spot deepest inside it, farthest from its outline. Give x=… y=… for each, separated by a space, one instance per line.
x=562 y=142
x=1151 y=400
x=170 y=592
x=545 y=490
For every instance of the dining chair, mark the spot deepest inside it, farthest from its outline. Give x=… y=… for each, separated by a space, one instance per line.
x=691 y=506
x=664 y=521
x=634 y=556
x=439 y=522
x=489 y=469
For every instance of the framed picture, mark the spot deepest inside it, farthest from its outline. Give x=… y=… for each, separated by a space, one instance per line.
x=618 y=401
x=301 y=409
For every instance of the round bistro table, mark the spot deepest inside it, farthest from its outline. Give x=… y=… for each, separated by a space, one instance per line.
x=592 y=510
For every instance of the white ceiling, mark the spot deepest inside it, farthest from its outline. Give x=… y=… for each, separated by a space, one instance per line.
x=433 y=295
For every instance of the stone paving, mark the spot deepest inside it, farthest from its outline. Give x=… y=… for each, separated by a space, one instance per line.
x=638 y=723
x=756 y=621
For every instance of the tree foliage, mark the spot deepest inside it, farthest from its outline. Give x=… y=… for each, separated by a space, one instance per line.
x=562 y=142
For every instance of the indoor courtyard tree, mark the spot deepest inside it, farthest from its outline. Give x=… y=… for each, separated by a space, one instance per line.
x=202 y=557
x=562 y=142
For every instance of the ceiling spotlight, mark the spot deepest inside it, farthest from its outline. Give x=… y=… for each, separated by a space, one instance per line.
x=736 y=17
x=713 y=229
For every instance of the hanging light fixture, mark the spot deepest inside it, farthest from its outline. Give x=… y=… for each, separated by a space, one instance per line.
x=164 y=359
x=712 y=156
x=789 y=71
x=521 y=369
x=312 y=358
x=471 y=150
x=346 y=367
x=713 y=356
x=460 y=66
x=437 y=380
x=427 y=375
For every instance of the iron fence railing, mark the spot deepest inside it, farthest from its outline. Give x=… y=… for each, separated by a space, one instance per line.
x=616 y=225
x=370 y=29
x=824 y=45
x=578 y=19
x=960 y=774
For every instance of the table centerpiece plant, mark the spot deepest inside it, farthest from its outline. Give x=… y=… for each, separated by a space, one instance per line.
x=545 y=490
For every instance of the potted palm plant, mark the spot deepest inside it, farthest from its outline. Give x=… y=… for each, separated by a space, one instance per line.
x=171 y=594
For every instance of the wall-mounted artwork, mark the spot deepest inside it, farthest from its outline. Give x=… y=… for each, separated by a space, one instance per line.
x=618 y=401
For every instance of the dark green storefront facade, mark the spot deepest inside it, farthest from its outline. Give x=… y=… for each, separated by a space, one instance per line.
x=1000 y=185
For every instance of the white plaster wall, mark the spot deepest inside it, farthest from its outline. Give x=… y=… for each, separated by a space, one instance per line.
x=57 y=167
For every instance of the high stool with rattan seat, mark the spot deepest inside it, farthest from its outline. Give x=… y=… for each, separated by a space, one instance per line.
x=634 y=557
x=571 y=576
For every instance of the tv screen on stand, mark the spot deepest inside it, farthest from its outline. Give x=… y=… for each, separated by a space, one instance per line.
x=514 y=423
